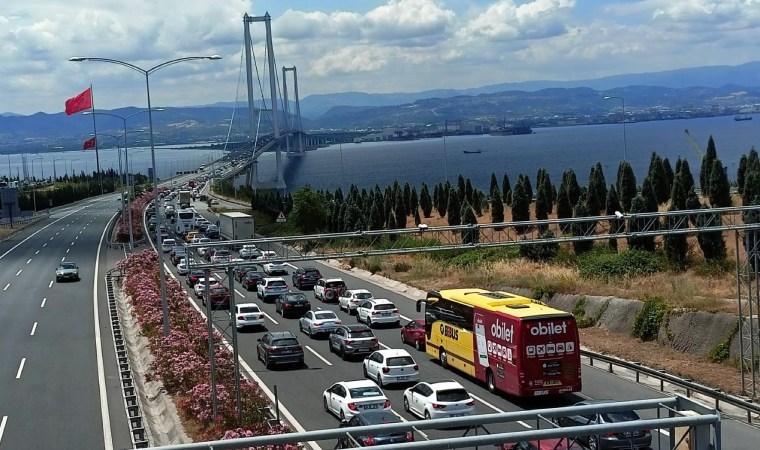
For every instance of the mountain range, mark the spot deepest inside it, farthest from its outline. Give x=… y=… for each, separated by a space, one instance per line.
x=709 y=90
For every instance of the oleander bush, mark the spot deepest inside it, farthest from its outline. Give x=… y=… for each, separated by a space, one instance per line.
x=181 y=359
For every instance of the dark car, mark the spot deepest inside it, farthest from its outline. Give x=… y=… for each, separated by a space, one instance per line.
x=306 y=277
x=292 y=304
x=640 y=439
x=177 y=254
x=414 y=333
x=239 y=271
x=365 y=439
x=219 y=296
x=251 y=279
x=194 y=276
x=279 y=347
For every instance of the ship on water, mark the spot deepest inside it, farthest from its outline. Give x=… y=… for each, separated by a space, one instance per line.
x=510 y=129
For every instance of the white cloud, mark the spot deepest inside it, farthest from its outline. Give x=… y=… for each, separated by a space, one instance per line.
x=351 y=60
x=506 y=20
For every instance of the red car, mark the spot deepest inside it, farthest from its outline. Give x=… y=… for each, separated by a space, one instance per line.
x=219 y=296
x=414 y=333
x=543 y=444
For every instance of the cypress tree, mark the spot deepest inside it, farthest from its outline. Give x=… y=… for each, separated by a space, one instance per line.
x=471 y=236
x=528 y=187
x=573 y=189
x=720 y=190
x=399 y=207
x=612 y=204
x=583 y=228
x=461 y=187
x=626 y=185
x=740 y=174
x=407 y=198
x=564 y=208
x=426 y=203
x=598 y=183
x=751 y=183
x=454 y=209
x=648 y=192
x=469 y=191
x=477 y=202
x=414 y=201
x=388 y=202
x=679 y=194
x=707 y=162
x=352 y=215
x=494 y=183
x=647 y=243
x=391 y=221
x=676 y=245
x=442 y=201
x=376 y=221
x=669 y=174
x=546 y=184
x=520 y=204
x=506 y=193
x=417 y=218
x=340 y=223
x=593 y=204
x=712 y=243
x=497 y=207
x=753 y=160
x=543 y=199
x=688 y=178
x=658 y=179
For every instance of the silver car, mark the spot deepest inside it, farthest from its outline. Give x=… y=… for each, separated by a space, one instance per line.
x=319 y=322
x=67 y=271
x=352 y=340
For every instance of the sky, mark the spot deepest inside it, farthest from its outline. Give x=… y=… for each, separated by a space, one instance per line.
x=376 y=46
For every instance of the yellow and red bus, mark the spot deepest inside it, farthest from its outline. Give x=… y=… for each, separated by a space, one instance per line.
x=511 y=343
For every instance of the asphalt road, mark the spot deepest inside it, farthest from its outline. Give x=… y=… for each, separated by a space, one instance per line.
x=51 y=372
x=300 y=390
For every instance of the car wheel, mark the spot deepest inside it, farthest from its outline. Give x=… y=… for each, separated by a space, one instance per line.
x=343 y=355
x=490 y=382
x=300 y=326
x=442 y=358
x=310 y=332
x=380 y=380
x=418 y=344
x=358 y=318
x=343 y=417
x=324 y=405
x=427 y=415
x=364 y=370
x=266 y=362
x=369 y=322
x=398 y=324
x=258 y=294
x=258 y=355
x=406 y=404
x=593 y=443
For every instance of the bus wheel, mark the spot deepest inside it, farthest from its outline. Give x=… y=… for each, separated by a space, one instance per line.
x=442 y=358
x=490 y=382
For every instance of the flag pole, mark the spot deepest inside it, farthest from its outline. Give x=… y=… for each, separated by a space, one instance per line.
x=95 y=132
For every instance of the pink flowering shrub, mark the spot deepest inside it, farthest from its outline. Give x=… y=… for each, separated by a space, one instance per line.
x=122 y=226
x=181 y=360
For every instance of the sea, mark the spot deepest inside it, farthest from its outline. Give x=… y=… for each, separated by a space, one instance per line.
x=554 y=149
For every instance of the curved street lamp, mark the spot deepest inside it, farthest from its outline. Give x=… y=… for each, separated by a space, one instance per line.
x=625 y=141
x=147 y=73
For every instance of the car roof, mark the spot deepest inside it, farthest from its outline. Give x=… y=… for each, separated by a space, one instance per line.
x=310 y=268
x=444 y=384
x=377 y=417
x=281 y=334
x=274 y=279
x=381 y=301
x=357 y=327
x=358 y=383
x=391 y=352
x=359 y=291
x=246 y=305
x=329 y=280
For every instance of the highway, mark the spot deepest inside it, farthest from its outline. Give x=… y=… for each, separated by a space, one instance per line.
x=300 y=389
x=54 y=368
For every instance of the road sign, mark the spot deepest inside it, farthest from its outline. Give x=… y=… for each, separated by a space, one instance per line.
x=281 y=217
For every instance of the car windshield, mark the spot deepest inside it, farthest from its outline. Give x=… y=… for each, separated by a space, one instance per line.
x=295 y=298
x=362 y=334
x=219 y=290
x=249 y=309
x=385 y=307
x=620 y=416
x=68 y=266
x=322 y=315
x=277 y=283
x=334 y=284
x=363 y=392
x=401 y=361
x=452 y=395
x=363 y=295
x=254 y=274
x=284 y=342
x=311 y=272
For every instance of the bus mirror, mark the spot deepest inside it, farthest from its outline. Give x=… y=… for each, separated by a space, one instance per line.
x=419 y=305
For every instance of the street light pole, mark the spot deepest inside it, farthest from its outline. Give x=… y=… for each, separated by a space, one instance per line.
x=625 y=140
x=147 y=72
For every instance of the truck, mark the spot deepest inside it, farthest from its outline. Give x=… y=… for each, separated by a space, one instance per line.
x=185 y=197
x=235 y=226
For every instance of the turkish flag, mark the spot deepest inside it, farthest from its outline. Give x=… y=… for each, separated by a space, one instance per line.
x=89 y=143
x=80 y=102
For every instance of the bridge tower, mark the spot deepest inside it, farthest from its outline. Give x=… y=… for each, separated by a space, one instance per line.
x=296 y=129
x=247 y=20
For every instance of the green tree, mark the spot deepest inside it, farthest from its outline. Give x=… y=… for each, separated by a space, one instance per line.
x=543 y=196
x=711 y=243
x=751 y=183
x=635 y=225
x=477 y=202
x=454 y=209
x=676 y=245
x=658 y=178
x=648 y=192
x=507 y=190
x=528 y=188
x=669 y=174
x=494 y=183
x=542 y=251
x=740 y=174
x=688 y=178
x=469 y=236
x=582 y=228
x=678 y=190
x=469 y=191
x=399 y=207
x=426 y=203
x=461 y=187
x=720 y=189
x=309 y=211
x=573 y=189
x=407 y=198
x=612 y=206
x=598 y=184
x=626 y=185
x=497 y=207
x=520 y=204
x=391 y=221
x=351 y=217
x=414 y=201
x=443 y=201
x=376 y=220
x=417 y=218
x=707 y=162
x=564 y=208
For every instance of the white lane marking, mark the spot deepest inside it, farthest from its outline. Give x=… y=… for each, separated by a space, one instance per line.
x=63 y=259
x=80 y=232
x=239 y=293
x=56 y=235
x=44 y=299
x=105 y=415
x=405 y=318
x=383 y=345
x=29 y=260
x=7 y=286
x=51 y=238
x=20 y=368
x=67 y=250
x=19 y=272
x=63 y=228
x=37 y=252
x=404 y=420
x=318 y=355
x=487 y=404
x=72 y=242
x=34 y=328
x=50 y=284
x=270 y=318
x=2 y=426
x=76 y=237
x=664 y=432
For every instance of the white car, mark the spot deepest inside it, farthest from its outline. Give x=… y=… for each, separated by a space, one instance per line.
x=271 y=287
x=247 y=315
x=167 y=244
x=438 y=399
x=220 y=259
x=378 y=310
x=182 y=267
x=249 y=251
x=391 y=366
x=348 y=398
x=351 y=299
x=200 y=285
x=275 y=269
x=318 y=322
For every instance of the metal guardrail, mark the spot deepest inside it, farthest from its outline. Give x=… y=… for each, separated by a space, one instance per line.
x=716 y=394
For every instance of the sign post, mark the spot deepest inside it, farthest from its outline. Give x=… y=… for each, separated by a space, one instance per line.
x=281 y=218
